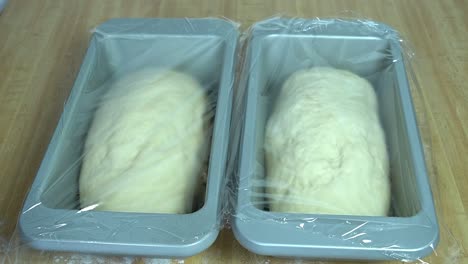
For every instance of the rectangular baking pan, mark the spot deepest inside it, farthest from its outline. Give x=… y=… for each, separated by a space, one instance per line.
x=277 y=48
x=51 y=219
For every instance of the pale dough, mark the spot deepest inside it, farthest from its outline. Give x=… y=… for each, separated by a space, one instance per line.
x=325 y=148
x=146 y=145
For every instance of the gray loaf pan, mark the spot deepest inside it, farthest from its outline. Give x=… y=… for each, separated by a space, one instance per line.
x=51 y=218
x=277 y=48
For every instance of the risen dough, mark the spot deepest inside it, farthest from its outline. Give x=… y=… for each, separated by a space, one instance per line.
x=324 y=146
x=146 y=145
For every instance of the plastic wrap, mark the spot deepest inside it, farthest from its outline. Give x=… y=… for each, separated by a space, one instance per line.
x=137 y=163
x=221 y=116
x=330 y=163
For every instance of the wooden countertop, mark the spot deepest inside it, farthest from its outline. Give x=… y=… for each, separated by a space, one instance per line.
x=42 y=44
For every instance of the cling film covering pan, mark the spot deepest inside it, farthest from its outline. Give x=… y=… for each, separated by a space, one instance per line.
x=137 y=163
x=308 y=145
x=330 y=161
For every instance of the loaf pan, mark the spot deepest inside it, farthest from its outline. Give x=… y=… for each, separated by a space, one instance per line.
x=277 y=48
x=51 y=218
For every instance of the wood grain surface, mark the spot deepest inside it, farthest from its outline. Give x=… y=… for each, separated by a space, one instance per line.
x=42 y=44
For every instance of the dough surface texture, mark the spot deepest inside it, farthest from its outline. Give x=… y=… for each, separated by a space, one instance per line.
x=146 y=145
x=325 y=149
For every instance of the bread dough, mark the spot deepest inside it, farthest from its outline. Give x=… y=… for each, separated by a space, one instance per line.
x=146 y=145
x=324 y=147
